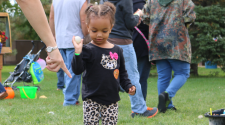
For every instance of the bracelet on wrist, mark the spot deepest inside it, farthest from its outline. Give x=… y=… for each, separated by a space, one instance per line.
x=77 y=54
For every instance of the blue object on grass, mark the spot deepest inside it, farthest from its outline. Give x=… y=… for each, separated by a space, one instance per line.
x=209 y=65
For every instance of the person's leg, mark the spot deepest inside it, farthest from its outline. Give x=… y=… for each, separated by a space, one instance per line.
x=2 y=89
x=181 y=74
x=72 y=85
x=138 y=104
x=91 y=111
x=109 y=114
x=3 y=92
x=164 y=71
x=60 y=74
x=144 y=67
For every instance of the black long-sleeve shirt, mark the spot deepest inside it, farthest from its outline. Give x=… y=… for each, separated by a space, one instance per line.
x=125 y=19
x=102 y=73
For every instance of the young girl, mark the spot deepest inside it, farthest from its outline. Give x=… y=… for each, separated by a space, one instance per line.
x=102 y=64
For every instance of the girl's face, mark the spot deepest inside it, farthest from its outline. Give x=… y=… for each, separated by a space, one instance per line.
x=99 y=29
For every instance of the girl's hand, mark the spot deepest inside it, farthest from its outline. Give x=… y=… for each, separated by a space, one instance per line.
x=77 y=46
x=132 y=90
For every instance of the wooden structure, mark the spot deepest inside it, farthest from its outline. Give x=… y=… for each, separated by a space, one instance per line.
x=7 y=45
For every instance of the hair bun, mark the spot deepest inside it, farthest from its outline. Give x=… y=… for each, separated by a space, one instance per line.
x=111 y=5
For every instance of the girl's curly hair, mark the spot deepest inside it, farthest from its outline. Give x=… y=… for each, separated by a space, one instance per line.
x=101 y=10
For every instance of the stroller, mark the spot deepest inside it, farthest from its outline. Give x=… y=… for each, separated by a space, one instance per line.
x=21 y=71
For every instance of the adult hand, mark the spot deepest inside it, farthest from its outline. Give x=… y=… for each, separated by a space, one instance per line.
x=78 y=46
x=132 y=90
x=139 y=22
x=139 y=12
x=55 y=61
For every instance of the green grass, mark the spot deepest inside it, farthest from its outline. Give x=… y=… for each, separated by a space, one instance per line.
x=193 y=99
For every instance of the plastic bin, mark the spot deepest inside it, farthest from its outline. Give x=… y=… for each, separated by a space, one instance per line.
x=217 y=117
x=209 y=65
x=28 y=92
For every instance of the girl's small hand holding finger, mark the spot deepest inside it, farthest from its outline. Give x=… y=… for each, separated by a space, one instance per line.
x=132 y=90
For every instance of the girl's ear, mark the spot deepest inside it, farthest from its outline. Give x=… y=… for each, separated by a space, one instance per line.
x=87 y=27
x=111 y=28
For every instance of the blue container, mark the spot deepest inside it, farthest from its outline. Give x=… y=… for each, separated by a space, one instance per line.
x=209 y=65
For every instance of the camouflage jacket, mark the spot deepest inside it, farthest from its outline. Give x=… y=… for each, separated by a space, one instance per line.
x=168 y=34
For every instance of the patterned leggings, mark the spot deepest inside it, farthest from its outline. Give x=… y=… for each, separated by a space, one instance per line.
x=91 y=111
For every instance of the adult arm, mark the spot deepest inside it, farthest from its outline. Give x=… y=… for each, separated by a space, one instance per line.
x=146 y=14
x=83 y=19
x=51 y=20
x=188 y=12
x=34 y=12
x=130 y=19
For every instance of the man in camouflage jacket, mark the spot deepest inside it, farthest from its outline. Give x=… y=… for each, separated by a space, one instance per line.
x=170 y=46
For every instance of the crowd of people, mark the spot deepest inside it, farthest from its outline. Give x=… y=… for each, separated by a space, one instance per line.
x=125 y=37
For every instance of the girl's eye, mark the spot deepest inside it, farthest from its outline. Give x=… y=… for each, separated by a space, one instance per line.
x=94 y=31
x=105 y=31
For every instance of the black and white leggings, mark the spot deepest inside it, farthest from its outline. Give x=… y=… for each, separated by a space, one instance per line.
x=92 y=111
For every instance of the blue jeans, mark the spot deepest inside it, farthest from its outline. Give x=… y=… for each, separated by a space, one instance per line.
x=138 y=103
x=60 y=76
x=2 y=89
x=72 y=85
x=144 y=67
x=181 y=73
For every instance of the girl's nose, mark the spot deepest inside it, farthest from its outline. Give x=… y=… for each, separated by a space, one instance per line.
x=99 y=34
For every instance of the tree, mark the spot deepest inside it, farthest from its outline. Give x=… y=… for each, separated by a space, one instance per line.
x=209 y=24
x=20 y=27
x=23 y=29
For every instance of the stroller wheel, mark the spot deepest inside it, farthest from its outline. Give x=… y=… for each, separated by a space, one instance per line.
x=14 y=88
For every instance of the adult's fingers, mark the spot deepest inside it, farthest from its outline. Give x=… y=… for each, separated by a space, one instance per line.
x=51 y=64
x=55 y=66
x=53 y=69
x=55 y=61
x=63 y=67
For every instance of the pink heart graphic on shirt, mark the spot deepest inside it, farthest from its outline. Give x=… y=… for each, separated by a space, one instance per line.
x=113 y=55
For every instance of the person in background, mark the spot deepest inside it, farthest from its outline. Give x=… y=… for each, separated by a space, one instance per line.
x=141 y=49
x=121 y=35
x=3 y=92
x=170 y=45
x=34 y=12
x=67 y=18
x=103 y=65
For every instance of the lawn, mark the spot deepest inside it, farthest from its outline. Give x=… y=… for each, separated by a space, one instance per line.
x=193 y=99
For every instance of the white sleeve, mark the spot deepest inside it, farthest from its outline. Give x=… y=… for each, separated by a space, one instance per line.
x=82 y=3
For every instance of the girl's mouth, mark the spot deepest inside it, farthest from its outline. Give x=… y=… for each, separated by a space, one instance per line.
x=99 y=39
